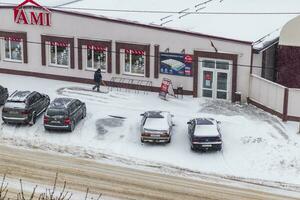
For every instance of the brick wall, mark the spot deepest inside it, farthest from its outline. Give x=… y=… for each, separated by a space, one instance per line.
x=288 y=63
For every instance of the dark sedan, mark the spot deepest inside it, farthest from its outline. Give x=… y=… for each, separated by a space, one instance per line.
x=23 y=107
x=64 y=114
x=204 y=134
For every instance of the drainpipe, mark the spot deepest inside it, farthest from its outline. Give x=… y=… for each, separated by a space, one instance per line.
x=251 y=66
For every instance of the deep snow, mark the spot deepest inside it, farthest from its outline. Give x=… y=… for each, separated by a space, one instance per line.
x=256 y=144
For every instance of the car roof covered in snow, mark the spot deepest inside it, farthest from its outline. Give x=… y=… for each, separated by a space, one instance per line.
x=19 y=96
x=156 y=120
x=206 y=127
x=60 y=103
x=156 y=114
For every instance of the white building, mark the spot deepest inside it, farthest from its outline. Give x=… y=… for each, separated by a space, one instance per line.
x=69 y=45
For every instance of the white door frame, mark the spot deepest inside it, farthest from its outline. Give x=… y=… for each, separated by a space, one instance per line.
x=215 y=72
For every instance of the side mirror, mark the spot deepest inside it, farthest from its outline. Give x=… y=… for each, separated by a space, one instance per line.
x=173 y=124
x=189 y=122
x=218 y=122
x=142 y=114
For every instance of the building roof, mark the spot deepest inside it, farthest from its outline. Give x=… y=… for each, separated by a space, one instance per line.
x=240 y=28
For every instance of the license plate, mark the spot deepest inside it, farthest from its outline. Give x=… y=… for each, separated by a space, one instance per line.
x=13 y=112
x=206 y=145
x=55 y=122
x=155 y=136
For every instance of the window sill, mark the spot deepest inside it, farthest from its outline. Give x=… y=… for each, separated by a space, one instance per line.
x=93 y=70
x=130 y=74
x=59 y=66
x=14 y=61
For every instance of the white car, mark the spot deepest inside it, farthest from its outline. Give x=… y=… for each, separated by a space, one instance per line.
x=156 y=127
x=204 y=134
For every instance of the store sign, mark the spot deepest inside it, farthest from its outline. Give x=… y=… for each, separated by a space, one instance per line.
x=176 y=64
x=164 y=88
x=37 y=16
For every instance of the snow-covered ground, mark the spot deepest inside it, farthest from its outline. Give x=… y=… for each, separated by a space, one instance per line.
x=256 y=144
x=28 y=187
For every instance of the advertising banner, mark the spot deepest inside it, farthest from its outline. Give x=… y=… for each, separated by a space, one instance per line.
x=176 y=64
x=164 y=88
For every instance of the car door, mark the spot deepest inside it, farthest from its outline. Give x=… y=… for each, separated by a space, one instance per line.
x=79 y=110
x=191 y=129
x=73 y=112
x=2 y=95
x=143 y=123
x=170 y=123
x=38 y=103
x=44 y=101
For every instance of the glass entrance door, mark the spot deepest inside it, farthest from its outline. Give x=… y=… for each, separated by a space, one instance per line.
x=215 y=76
x=207 y=83
x=222 y=82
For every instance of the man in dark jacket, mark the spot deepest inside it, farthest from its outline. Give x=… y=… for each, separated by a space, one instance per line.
x=97 y=79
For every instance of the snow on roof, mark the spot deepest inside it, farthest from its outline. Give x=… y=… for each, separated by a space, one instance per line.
x=60 y=102
x=159 y=123
x=206 y=127
x=267 y=40
x=19 y=96
x=239 y=27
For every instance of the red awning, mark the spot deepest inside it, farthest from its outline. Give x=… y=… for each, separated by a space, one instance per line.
x=135 y=52
x=13 y=39
x=59 y=44
x=97 y=48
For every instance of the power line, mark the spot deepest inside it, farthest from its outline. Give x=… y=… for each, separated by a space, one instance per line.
x=168 y=12
x=153 y=56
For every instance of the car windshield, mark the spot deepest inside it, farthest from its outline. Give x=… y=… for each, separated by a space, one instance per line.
x=204 y=122
x=56 y=112
x=15 y=104
x=154 y=115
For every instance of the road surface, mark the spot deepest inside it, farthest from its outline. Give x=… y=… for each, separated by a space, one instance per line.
x=124 y=183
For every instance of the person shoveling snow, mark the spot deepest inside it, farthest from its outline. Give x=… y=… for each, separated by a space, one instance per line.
x=97 y=79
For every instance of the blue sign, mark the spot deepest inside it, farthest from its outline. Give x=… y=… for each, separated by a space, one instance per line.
x=176 y=64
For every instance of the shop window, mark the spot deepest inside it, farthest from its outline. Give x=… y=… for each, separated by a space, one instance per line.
x=59 y=54
x=13 y=49
x=134 y=62
x=96 y=58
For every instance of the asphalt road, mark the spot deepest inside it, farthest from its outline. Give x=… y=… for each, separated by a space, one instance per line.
x=124 y=183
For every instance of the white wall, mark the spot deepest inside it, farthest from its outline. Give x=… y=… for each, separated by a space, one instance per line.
x=267 y=93
x=290 y=32
x=88 y=28
x=257 y=64
x=294 y=102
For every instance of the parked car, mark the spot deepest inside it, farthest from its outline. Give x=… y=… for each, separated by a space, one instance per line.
x=204 y=134
x=23 y=107
x=156 y=127
x=3 y=95
x=64 y=114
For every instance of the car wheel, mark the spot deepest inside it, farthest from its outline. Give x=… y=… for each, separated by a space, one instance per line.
x=169 y=141
x=72 y=126
x=33 y=119
x=192 y=148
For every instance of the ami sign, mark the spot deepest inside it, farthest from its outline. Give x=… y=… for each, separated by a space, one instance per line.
x=38 y=16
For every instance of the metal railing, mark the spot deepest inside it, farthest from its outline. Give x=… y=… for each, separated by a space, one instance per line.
x=128 y=84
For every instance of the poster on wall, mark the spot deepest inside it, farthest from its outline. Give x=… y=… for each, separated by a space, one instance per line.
x=176 y=64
